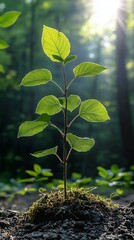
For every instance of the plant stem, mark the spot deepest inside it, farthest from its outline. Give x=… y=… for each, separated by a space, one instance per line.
x=73 y=120
x=69 y=153
x=53 y=125
x=59 y=158
x=58 y=86
x=65 y=134
x=71 y=82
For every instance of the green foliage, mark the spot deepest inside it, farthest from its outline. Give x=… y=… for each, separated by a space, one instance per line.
x=55 y=43
x=30 y=128
x=57 y=47
x=14 y=188
x=49 y=104
x=51 y=151
x=86 y=69
x=70 y=58
x=73 y=101
x=80 y=144
x=3 y=44
x=78 y=181
x=18 y=104
x=1 y=69
x=115 y=177
x=93 y=111
x=36 y=77
x=37 y=168
x=38 y=174
x=9 y=18
x=6 y=20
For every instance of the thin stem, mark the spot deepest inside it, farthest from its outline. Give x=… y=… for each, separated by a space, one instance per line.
x=57 y=129
x=73 y=120
x=69 y=153
x=71 y=82
x=65 y=134
x=59 y=158
x=58 y=86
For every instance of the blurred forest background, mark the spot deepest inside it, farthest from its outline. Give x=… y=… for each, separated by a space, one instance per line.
x=106 y=41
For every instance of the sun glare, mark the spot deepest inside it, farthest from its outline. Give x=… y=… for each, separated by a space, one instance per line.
x=104 y=12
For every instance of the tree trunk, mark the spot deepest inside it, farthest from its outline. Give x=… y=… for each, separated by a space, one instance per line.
x=125 y=118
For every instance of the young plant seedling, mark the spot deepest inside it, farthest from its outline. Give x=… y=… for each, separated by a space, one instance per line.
x=57 y=47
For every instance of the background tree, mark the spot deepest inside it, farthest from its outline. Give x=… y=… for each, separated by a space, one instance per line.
x=125 y=116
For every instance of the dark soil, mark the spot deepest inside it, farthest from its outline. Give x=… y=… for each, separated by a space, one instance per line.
x=81 y=219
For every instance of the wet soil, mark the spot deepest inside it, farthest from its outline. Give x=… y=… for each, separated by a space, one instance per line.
x=93 y=221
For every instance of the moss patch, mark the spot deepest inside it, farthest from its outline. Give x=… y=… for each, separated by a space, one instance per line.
x=79 y=205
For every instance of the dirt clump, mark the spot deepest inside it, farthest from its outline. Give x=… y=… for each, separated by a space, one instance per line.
x=82 y=215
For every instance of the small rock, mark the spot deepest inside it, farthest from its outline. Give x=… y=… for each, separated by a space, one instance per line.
x=3 y=213
x=4 y=223
x=122 y=230
x=12 y=213
x=131 y=204
x=108 y=237
x=50 y=236
x=28 y=225
x=36 y=234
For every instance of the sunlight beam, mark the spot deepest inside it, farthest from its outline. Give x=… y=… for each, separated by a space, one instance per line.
x=104 y=12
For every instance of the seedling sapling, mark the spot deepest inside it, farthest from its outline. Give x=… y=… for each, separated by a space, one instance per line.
x=57 y=47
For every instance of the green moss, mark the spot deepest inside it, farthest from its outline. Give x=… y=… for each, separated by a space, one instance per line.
x=52 y=205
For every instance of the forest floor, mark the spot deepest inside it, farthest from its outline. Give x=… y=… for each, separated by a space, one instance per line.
x=94 y=221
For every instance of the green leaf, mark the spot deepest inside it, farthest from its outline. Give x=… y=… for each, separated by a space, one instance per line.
x=41 y=179
x=1 y=69
x=26 y=180
x=58 y=58
x=30 y=128
x=93 y=111
x=115 y=169
x=42 y=190
x=3 y=44
x=102 y=172
x=55 y=43
x=70 y=58
x=80 y=144
x=132 y=167
x=87 y=69
x=102 y=182
x=119 y=191
x=76 y=175
x=37 y=168
x=31 y=173
x=73 y=101
x=36 y=77
x=84 y=181
x=9 y=18
x=44 y=153
x=49 y=104
x=47 y=174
